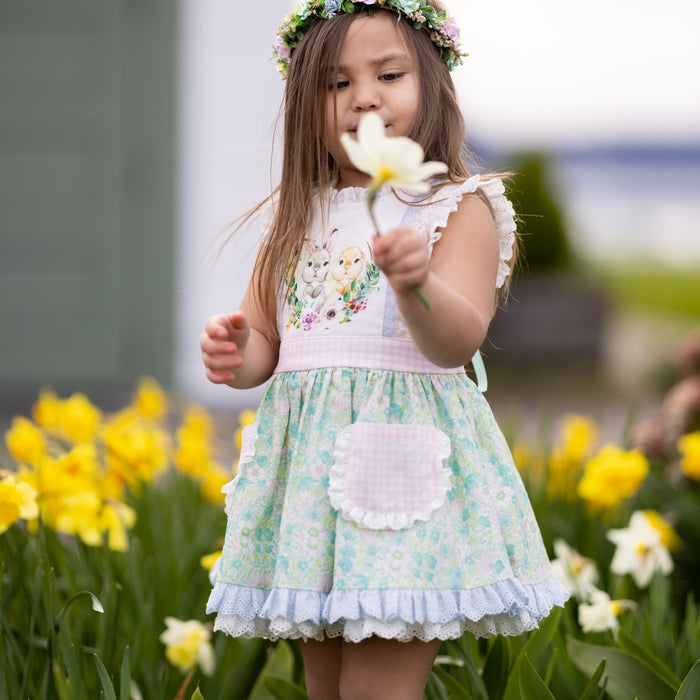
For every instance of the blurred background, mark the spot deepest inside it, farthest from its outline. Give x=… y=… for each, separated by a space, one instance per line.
x=132 y=133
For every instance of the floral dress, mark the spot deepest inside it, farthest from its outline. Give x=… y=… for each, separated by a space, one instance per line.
x=375 y=493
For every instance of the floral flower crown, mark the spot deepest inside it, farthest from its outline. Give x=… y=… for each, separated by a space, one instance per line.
x=443 y=30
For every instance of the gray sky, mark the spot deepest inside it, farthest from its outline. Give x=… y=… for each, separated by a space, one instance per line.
x=596 y=70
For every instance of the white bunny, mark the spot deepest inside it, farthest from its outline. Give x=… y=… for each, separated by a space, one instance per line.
x=316 y=268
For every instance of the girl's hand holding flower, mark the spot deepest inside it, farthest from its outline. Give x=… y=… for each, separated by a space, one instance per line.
x=402 y=255
x=396 y=162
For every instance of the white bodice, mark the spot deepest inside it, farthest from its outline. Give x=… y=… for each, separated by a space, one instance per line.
x=338 y=291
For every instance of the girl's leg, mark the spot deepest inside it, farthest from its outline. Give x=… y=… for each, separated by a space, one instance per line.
x=384 y=669
x=322 y=667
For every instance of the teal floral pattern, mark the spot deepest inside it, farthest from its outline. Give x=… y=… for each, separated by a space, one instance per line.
x=283 y=534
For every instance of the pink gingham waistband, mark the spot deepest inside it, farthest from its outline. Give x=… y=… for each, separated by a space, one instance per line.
x=370 y=352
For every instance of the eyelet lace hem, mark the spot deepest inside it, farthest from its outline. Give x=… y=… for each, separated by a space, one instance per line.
x=506 y=608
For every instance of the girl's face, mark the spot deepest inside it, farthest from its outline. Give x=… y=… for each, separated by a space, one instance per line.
x=377 y=72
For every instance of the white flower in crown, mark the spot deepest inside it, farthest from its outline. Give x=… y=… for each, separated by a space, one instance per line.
x=640 y=550
x=396 y=161
x=601 y=613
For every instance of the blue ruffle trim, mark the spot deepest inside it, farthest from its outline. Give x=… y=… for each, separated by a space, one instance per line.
x=506 y=607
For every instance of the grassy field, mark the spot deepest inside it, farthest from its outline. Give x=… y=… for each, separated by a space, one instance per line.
x=653 y=288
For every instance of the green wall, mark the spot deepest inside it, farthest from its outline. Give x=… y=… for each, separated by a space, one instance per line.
x=87 y=130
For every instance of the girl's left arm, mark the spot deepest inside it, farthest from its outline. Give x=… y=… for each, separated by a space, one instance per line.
x=459 y=281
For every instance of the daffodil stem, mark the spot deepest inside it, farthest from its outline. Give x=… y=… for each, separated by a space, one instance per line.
x=419 y=293
x=371 y=196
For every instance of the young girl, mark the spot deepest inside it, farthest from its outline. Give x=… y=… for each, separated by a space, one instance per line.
x=377 y=510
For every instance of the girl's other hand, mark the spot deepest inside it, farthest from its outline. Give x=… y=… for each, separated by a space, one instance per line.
x=402 y=255
x=222 y=343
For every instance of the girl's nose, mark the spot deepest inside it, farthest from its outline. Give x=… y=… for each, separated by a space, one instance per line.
x=365 y=98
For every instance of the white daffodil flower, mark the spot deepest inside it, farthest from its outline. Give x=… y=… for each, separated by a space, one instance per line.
x=187 y=645
x=601 y=613
x=576 y=573
x=396 y=161
x=640 y=550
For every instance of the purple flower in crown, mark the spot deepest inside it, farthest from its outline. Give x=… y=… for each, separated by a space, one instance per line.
x=452 y=30
x=283 y=53
x=332 y=6
x=367 y=2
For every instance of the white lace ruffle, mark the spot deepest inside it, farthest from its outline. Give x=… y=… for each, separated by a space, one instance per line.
x=427 y=480
x=506 y=607
x=249 y=435
x=493 y=189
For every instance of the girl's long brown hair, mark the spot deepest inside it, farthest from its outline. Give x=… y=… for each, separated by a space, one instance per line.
x=308 y=170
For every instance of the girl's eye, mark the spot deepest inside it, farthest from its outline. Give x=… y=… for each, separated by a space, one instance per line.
x=390 y=77
x=339 y=85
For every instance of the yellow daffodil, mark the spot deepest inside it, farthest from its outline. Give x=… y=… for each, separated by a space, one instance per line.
x=80 y=515
x=192 y=455
x=393 y=161
x=601 y=613
x=47 y=409
x=116 y=519
x=689 y=447
x=79 y=418
x=25 y=441
x=197 y=423
x=640 y=550
x=575 y=572
x=669 y=538
x=578 y=435
x=17 y=500
x=612 y=475
x=187 y=644
x=213 y=480
x=208 y=560
x=245 y=417
x=150 y=400
x=137 y=448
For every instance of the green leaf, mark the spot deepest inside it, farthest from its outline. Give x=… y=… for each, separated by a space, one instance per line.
x=690 y=687
x=497 y=667
x=106 y=681
x=197 y=695
x=592 y=685
x=280 y=664
x=456 y=690
x=125 y=677
x=532 y=686
x=535 y=646
x=626 y=675
x=458 y=650
x=283 y=689
x=628 y=643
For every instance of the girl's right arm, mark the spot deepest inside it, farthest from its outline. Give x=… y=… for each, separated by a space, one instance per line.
x=237 y=348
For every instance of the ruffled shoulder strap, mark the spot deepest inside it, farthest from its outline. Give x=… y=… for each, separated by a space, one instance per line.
x=434 y=216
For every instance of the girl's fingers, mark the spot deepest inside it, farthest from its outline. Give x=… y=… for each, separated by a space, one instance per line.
x=219 y=377
x=213 y=346
x=221 y=362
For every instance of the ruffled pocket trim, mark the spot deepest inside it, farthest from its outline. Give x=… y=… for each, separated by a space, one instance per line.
x=249 y=436
x=389 y=476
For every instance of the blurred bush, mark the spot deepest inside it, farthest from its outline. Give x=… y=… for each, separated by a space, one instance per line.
x=543 y=236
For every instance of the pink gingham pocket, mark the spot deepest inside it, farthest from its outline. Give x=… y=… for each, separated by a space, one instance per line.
x=388 y=476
